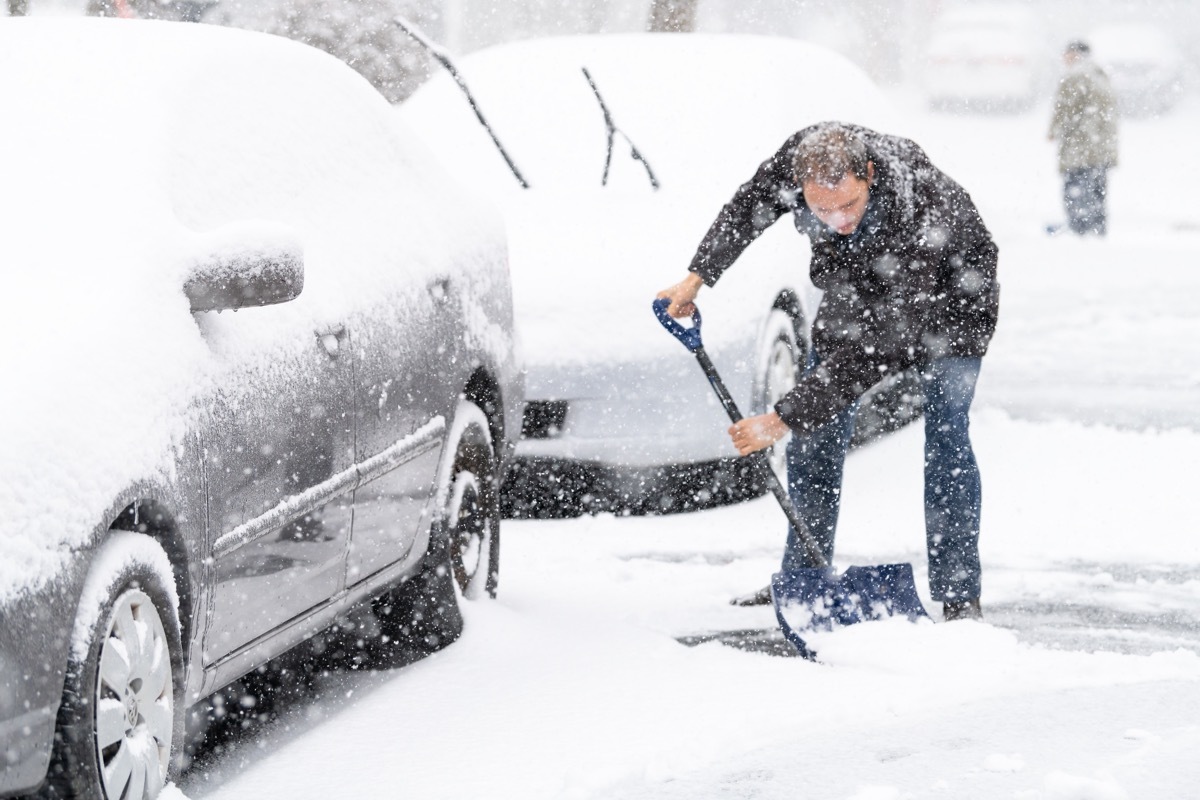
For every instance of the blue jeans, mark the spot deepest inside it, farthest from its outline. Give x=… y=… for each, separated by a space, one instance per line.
x=1084 y=193
x=952 y=488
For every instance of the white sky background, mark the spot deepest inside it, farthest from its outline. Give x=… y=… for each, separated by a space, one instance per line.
x=885 y=37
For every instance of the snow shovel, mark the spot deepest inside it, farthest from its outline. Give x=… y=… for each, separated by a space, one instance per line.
x=812 y=598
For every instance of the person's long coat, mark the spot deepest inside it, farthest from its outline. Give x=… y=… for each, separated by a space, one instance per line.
x=915 y=281
x=1085 y=119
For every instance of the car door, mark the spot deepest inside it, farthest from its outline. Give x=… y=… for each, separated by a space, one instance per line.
x=403 y=404
x=280 y=461
x=319 y=153
x=280 y=475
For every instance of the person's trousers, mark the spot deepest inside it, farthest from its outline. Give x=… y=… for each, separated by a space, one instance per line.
x=1084 y=194
x=952 y=487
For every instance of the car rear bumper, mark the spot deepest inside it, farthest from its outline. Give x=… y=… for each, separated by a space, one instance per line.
x=24 y=754
x=554 y=488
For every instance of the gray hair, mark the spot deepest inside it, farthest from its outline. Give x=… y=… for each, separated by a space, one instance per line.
x=829 y=153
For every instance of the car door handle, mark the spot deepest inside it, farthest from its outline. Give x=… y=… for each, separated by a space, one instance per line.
x=331 y=339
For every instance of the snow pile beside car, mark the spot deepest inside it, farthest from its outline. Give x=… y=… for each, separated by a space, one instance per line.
x=124 y=162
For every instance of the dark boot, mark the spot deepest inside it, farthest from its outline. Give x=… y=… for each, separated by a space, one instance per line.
x=961 y=609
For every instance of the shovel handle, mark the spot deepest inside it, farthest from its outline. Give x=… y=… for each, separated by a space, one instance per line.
x=690 y=338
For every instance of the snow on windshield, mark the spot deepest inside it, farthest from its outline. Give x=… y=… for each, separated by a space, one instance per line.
x=705 y=110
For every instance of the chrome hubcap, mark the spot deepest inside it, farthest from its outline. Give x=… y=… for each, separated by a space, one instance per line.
x=468 y=534
x=134 y=701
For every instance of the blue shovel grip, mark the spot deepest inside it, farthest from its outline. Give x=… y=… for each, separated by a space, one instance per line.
x=689 y=337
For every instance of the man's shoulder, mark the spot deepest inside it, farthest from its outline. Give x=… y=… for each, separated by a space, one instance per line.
x=896 y=156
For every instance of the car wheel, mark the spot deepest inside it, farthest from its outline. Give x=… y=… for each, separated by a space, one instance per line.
x=421 y=614
x=120 y=720
x=470 y=496
x=778 y=372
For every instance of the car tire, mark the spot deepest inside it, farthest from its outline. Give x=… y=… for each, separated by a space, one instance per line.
x=120 y=725
x=421 y=614
x=469 y=498
x=779 y=367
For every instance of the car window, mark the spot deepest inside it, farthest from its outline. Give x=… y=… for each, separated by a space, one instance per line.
x=308 y=143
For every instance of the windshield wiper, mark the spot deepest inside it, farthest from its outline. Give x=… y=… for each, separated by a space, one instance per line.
x=612 y=131
x=443 y=58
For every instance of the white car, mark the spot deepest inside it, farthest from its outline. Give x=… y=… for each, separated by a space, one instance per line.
x=618 y=415
x=260 y=375
x=984 y=57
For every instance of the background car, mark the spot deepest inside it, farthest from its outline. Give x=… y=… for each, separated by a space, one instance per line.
x=1146 y=67
x=984 y=57
x=189 y=489
x=618 y=416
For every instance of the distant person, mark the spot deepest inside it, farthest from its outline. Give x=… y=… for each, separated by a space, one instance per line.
x=908 y=272
x=1085 y=127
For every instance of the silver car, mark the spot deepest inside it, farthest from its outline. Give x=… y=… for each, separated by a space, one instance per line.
x=262 y=377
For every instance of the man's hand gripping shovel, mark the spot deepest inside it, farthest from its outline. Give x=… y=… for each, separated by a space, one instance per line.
x=815 y=598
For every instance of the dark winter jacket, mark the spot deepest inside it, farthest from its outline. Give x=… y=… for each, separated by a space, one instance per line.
x=915 y=281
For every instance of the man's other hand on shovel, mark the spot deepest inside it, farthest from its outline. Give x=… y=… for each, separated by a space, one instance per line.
x=756 y=433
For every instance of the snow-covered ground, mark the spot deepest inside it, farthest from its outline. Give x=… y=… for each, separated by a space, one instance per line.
x=1083 y=682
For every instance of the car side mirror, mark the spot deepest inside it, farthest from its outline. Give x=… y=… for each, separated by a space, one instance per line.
x=256 y=275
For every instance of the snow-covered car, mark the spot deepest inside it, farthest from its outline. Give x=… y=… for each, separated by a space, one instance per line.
x=1146 y=67
x=618 y=415
x=260 y=375
x=177 y=10
x=984 y=57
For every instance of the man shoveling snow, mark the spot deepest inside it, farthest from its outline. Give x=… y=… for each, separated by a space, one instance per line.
x=908 y=272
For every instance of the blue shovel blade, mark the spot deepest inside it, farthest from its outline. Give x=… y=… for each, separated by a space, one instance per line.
x=819 y=599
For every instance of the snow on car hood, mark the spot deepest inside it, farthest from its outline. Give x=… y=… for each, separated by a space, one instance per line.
x=591 y=262
x=704 y=110
x=111 y=127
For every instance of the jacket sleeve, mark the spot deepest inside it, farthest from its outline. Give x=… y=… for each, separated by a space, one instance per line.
x=756 y=206
x=967 y=305
x=1059 y=114
x=856 y=351
x=846 y=370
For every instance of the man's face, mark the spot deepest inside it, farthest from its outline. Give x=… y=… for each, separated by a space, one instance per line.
x=841 y=206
